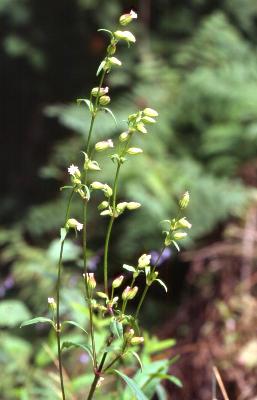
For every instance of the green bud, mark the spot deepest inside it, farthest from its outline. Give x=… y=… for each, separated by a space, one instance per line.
x=148 y=120
x=92 y=166
x=150 y=112
x=125 y=19
x=97 y=185
x=129 y=334
x=99 y=92
x=141 y=128
x=144 y=260
x=105 y=213
x=134 y=151
x=104 y=100
x=124 y=136
x=183 y=223
x=90 y=279
x=129 y=293
x=103 y=205
x=117 y=282
x=133 y=205
x=137 y=340
x=125 y=35
x=102 y=295
x=121 y=206
x=74 y=224
x=114 y=61
x=183 y=202
x=105 y=144
x=111 y=49
x=179 y=235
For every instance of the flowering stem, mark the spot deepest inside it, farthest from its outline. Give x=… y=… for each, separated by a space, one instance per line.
x=109 y=229
x=147 y=286
x=58 y=286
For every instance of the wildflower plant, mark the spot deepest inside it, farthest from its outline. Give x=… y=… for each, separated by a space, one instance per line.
x=111 y=303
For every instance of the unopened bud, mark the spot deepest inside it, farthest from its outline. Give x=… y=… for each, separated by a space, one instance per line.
x=129 y=293
x=183 y=202
x=97 y=185
x=99 y=91
x=90 y=278
x=114 y=61
x=133 y=205
x=148 y=120
x=141 y=127
x=134 y=151
x=150 y=112
x=117 y=282
x=124 y=136
x=125 y=19
x=111 y=49
x=137 y=340
x=179 y=235
x=103 y=205
x=125 y=35
x=74 y=224
x=121 y=206
x=129 y=334
x=92 y=166
x=104 y=100
x=183 y=223
x=105 y=144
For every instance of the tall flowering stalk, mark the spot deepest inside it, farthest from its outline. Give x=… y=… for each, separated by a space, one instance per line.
x=112 y=302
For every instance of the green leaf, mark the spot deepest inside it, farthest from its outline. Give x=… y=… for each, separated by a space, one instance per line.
x=162 y=284
x=102 y=64
x=88 y=103
x=138 y=359
x=37 y=320
x=116 y=328
x=12 y=313
x=63 y=234
x=132 y=385
x=129 y=268
x=85 y=347
x=111 y=113
x=161 y=392
x=75 y=324
x=171 y=378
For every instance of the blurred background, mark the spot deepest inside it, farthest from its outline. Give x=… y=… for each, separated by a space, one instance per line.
x=195 y=61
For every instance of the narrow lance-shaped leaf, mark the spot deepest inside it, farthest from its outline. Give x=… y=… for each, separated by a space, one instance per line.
x=85 y=347
x=37 y=320
x=162 y=284
x=111 y=113
x=75 y=324
x=132 y=385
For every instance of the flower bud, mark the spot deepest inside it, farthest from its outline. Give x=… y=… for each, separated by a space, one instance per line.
x=106 y=212
x=99 y=382
x=141 y=128
x=74 y=224
x=183 y=202
x=117 y=282
x=183 y=223
x=133 y=205
x=96 y=91
x=129 y=293
x=105 y=144
x=125 y=19
x=90 y=278
x=114 y=61
x=92 y=166
x=148 y=120
x=104 y=100
x=144 y=260
x=150 y=112
x=111 y=49
x=124 y=136
x=137 y=340
x=179 y=235
x=102 y=295
x=129 y=334
x=103 y=205
x=134 y=151
x=97 y=185
x=121 y=206
x=125 y=35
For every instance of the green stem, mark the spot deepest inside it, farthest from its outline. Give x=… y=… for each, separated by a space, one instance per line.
x=109 y=229
x=147 y=286
x=58 y=287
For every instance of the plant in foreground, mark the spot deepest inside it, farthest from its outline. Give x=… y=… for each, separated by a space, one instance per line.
x=111 y=304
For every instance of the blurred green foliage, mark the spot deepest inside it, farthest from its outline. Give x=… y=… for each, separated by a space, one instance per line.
x=196 y=63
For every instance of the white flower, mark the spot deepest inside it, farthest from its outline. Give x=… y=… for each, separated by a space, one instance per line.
x=133 y=14
x=73 y=169
x=50 y=300
x=79 y=226
x=144 y=260
x=99 y=382
x=110 y=142
x=74 y=224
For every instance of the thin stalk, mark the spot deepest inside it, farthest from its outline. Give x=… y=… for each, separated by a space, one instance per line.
x=58 y=287
x=109 y=229
x=147 y=286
